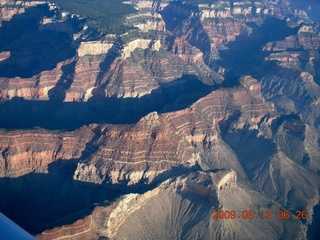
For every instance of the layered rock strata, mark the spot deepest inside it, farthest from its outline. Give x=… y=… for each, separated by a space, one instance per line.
x=164 y=213
x=253 y=133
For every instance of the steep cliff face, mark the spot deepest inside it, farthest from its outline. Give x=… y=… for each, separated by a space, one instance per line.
x=162 y=146
x=294 y=86
x=94 y=48
x=20 y=156
x=73 y=68
x=200 y=107
x=181 y=208
x=247 y=135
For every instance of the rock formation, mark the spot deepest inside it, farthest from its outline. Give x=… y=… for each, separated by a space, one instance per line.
x=93 y=48
x=196 y=108
x=181 y=208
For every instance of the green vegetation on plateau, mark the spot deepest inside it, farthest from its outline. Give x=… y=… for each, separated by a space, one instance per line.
x=107 y=16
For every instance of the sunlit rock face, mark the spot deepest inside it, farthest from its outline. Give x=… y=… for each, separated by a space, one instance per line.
x=141 y=135
x=175 y=204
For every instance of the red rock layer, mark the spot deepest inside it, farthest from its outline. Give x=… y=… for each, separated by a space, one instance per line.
x=158 y=143
x=33 y=150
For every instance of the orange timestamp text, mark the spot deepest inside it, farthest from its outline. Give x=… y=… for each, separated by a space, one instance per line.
x=264 y=214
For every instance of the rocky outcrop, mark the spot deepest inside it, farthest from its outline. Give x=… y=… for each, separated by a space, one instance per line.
x=142 y=44
x=162 y=144
x=225 y=9
x=306 y=38
x=23 y=152
x=94 y=48
x=133 y=216
x=154 y=141
x=7 y=14
x=156 y=25
x=248 y=138
x=185 y=51
x=296 y=59
x=4 y=56
x=144 y=155
x=252 y=85
x=9 y=8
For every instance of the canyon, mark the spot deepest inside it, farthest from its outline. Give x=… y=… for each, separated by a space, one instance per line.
x=200 y=106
